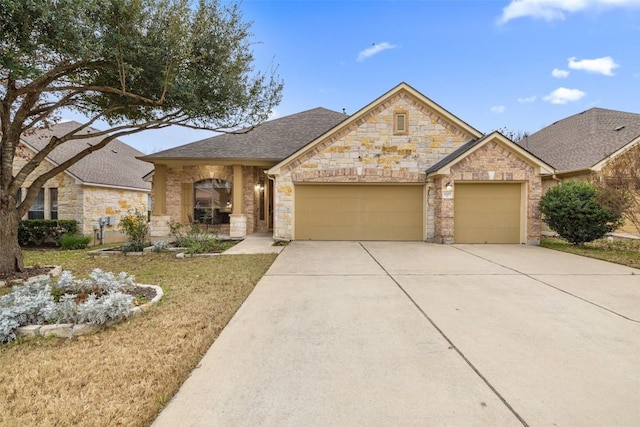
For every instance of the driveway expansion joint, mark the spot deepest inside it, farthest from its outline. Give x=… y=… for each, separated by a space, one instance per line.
x=448 y=340
x=556 y=287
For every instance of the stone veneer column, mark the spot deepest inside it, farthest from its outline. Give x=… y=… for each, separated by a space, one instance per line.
x=238 y=221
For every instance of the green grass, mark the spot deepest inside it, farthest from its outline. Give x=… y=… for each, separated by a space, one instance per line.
x=125 y=374
x=623 y=251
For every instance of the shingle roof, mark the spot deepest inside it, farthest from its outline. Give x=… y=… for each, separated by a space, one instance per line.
x=114 y=165
x=273 y=140
x=583 y=140
x=455 y=154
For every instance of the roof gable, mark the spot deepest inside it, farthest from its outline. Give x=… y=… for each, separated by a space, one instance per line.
x=271 y=141
x=584 y=140
x=114 y=165
x=438 y=113
x=443 y=166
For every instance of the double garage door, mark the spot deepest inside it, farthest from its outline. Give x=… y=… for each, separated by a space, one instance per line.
x=483 y=213
x=359 y=212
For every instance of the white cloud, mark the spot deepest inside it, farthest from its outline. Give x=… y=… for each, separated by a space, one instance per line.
x=604 y=65
x=550 y=10
x=527 y=100
x=560 y=74
x=375 y=49
x=562 y=95
x=498 y=109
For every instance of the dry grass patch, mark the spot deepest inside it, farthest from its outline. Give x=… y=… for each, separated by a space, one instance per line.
x=625 y=252
x=123 y=376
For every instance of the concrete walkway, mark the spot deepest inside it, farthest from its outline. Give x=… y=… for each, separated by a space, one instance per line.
x=398 y=333
x=256 y=243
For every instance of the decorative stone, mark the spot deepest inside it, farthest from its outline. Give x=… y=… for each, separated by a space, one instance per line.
x=28 y=331
x=85 y=329
x=68 y=330
x=63 y=330
x=238 y=229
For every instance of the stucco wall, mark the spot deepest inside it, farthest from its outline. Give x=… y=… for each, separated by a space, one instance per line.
x=367 y=151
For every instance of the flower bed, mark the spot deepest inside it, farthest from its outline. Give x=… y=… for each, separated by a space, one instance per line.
x=72 y=307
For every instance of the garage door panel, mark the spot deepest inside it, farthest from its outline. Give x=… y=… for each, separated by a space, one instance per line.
x=359 y=212
x=487 y=213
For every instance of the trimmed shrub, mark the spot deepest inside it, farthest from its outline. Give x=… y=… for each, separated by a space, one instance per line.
x=579 y=212
x=39 y=231
x=74 y=241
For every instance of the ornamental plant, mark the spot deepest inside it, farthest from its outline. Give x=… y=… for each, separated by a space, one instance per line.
x=136 y=227
x=579 y=212
x=96 y=300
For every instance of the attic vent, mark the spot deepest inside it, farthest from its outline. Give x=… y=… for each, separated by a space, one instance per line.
x=400 y=123
x=619 y=128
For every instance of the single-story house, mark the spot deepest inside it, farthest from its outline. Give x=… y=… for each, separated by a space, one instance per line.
x=586 y=145
x=106 y=184
x=401 y=168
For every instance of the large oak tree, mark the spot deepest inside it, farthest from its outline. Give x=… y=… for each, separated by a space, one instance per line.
x=133 y=64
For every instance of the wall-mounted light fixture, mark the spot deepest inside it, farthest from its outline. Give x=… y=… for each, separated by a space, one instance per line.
x=448 y=186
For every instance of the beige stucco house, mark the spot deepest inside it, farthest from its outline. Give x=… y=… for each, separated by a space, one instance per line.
x=401 y=168
x=107 y=184
x=587 y=146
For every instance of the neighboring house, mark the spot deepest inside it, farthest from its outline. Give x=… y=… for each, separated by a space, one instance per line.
x=585 y=145
x=401 y=168
x=106 y=184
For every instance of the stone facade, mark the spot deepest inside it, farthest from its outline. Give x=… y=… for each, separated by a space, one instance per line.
x=101 y=202
x=492 y=162
x=367 y=151
x=84 y=203
x=253 y=182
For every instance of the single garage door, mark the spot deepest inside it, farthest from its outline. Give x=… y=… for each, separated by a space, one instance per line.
x=359 y=212
x=487 y=213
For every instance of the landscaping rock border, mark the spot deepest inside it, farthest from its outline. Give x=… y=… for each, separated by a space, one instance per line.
x=54 y=272
x=69 y=330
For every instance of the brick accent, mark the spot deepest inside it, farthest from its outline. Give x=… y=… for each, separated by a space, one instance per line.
x=367 y=151
x=177 y=175
x=506 y=167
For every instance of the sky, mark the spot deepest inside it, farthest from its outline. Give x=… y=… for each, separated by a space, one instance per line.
x=518 y=65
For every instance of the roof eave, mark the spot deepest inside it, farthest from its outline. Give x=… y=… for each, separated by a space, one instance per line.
x=229 y=161
x=276 y=170
x=543 y=167
x=602 y=163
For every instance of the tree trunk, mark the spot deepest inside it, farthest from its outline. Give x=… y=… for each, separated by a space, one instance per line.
x=10 y=252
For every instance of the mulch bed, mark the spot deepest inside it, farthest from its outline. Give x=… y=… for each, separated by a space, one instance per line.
x=28 y=272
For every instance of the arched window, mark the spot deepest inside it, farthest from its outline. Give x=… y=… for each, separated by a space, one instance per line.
x=212 y=201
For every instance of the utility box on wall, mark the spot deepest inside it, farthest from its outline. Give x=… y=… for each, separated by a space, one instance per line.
x=111 y=220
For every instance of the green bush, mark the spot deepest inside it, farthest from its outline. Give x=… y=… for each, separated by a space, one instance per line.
x=197 y=240
x=39 y=231
x=579 y=212
x=136 y=227
x=74 y=241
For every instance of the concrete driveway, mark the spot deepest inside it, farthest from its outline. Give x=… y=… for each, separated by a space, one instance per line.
x=399 y=333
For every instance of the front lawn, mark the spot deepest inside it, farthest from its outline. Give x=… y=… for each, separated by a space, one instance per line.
x=626 y=252
x=124 y=375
